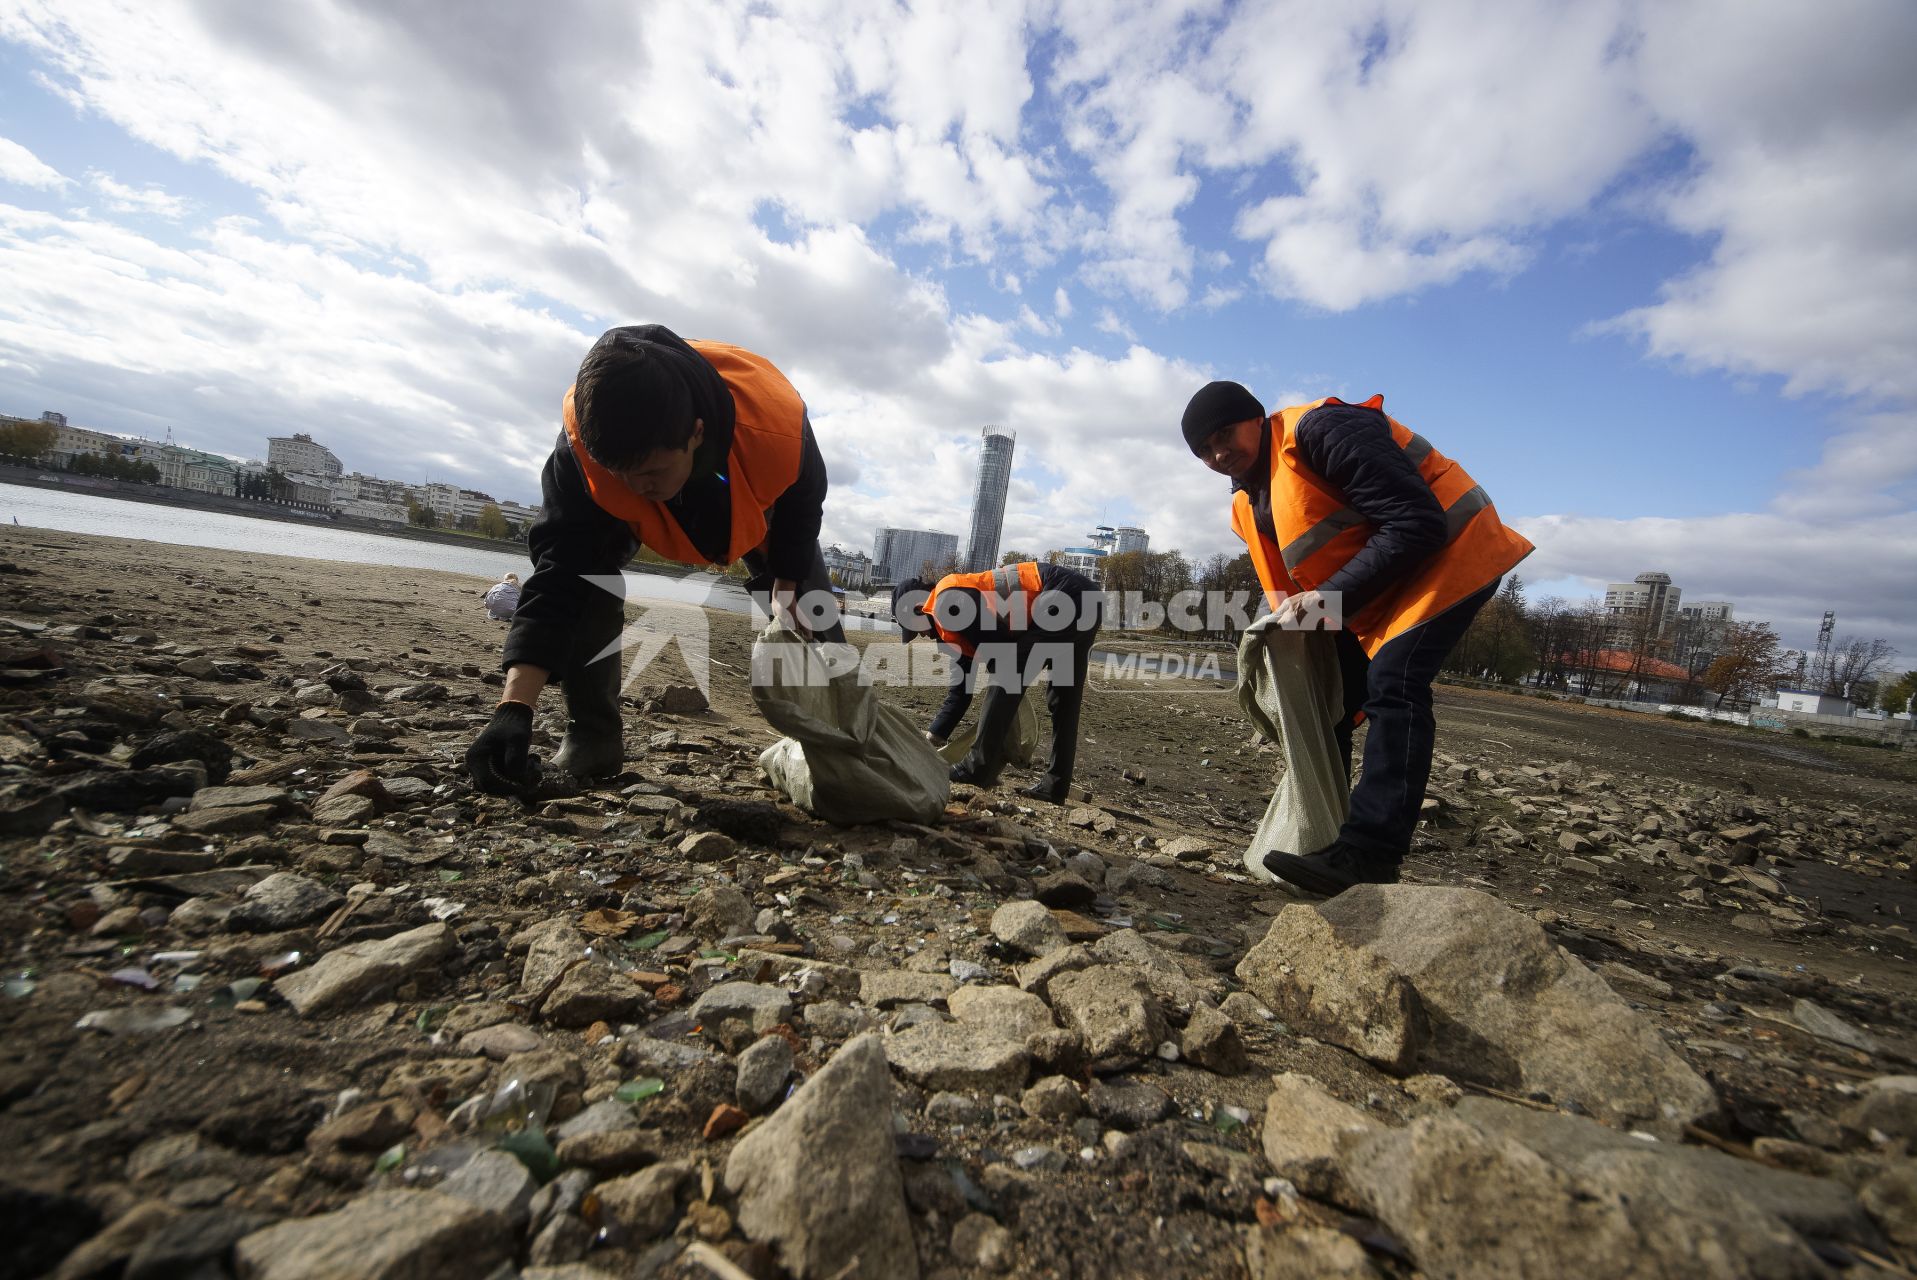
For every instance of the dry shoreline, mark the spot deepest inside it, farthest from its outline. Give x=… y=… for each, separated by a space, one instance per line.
x=1715 y=885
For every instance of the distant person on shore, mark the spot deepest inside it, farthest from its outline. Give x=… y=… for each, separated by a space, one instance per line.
x=1346 y=510
x=997 y=622
x=701 y=452
x=502 y=598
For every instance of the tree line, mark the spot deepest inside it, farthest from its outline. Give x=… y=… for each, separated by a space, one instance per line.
x=1573 y=646
x=1580 y=647
x=35 y=440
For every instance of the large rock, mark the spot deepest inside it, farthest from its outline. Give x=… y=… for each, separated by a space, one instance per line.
x=1469 y=1201
x=388 y=1235
x=1696 y=1180
x=820 y=1181
x=363 y=970
x=283 y=901
x=1302 y=1127
x=241 y=797
x=1169 y=984
x=1305 y=1253
x=1887 y=1106
x=1028 y=926
x=1453 y=981
x=1004 y=1013
x=552 y=947
x=890 y=988
x=763 y=1071
x=737 y=1013
x=718 y=912
x=590 y=993
x=645 y=1204
x=496 y=1182
x=1336 y=990
x=193 y=1244
x=946 y=1055
x=1112 y=1009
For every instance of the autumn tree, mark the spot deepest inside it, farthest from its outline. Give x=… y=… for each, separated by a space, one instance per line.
x=491 y=522
x=1895 y=695
x=1749 y=664
x=22 y=438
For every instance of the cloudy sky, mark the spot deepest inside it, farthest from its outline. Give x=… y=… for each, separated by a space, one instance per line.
x=1647 y=269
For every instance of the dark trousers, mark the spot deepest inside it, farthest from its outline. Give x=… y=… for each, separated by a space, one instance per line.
x=1064 y=699
x=1393 y=690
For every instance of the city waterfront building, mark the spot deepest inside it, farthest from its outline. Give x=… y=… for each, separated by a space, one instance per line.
x=905 y=553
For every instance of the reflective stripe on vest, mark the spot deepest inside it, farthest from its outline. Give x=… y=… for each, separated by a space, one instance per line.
x=995 y=586
x=1456 y=516
x=1317 y=533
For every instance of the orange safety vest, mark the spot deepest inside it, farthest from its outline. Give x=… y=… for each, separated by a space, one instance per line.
x=1011 y=588
x=767 y=436
x=1318 y=533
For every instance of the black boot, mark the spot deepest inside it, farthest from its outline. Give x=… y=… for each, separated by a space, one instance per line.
x=1333 y=869
x=1048 y=789
x=594 y=745
x=966 y=771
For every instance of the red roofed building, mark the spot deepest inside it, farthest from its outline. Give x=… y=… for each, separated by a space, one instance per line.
x=1628 y=676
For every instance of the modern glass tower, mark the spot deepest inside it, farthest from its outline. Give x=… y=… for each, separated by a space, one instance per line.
x=988 y=499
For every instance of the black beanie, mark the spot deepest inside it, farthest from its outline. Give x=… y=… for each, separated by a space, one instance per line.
x=1217 y=404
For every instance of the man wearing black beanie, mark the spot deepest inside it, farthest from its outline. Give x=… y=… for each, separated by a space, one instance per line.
x=1342 y=505
x=700 y=451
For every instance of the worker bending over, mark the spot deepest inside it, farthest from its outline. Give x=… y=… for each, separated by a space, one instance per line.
x=701 y=452
x=1002 y=626
x=1341 y=504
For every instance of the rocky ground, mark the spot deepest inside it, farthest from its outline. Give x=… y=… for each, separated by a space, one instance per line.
x=284 y=998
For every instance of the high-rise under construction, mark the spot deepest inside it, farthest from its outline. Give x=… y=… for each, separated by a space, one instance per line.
x=988 y=499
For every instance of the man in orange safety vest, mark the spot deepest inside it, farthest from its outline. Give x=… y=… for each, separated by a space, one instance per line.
x=700 y=451
x=1341 y=504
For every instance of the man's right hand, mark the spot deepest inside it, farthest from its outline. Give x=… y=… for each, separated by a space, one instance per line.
x=498 y=759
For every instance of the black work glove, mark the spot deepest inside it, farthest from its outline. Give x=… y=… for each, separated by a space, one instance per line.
x=498 y=758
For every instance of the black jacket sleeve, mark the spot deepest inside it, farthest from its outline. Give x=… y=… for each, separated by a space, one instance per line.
x=1350 y=447
x=572 y=537
x=792 y=533
x=958 y=700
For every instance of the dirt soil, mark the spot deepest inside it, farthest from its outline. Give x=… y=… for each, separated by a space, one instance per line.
x=1714 y=875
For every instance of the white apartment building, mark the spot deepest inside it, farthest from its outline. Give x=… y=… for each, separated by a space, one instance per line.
x=1650 y=598
x=1119 y=540
x=71 y=442
x=370 y=509
x=300 y=455
x=441 y=499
